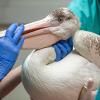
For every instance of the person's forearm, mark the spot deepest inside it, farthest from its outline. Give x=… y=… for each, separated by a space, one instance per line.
x=10 y=81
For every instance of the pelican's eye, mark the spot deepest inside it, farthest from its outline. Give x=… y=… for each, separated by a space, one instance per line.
x=60 y=19
x=68 y=18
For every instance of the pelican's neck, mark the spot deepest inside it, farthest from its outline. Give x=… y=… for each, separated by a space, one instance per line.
x=88 y=45
x=41 y=57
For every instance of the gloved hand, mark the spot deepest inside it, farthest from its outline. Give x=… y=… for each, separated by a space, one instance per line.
x=62 y=48
x=10 y=46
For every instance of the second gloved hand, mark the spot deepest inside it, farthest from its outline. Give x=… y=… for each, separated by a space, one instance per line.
x=62 y=48
x=10 y=46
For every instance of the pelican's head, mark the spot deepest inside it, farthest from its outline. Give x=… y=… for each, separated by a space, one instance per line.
x=61 y=23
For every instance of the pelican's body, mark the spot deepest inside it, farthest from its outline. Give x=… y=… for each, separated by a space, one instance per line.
x=60 y=80
x=45 y=79
x=88 y=45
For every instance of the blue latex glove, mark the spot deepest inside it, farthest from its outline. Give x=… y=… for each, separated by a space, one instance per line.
x=62 y=48
x=10 y=46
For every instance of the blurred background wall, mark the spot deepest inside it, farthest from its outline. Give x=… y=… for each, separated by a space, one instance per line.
x=24 y=11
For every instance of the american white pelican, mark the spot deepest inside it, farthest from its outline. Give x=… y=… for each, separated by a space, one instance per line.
x=45 y=79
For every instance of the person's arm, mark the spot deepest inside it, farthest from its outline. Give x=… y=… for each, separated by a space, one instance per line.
x=10 y=82
x=10 y=46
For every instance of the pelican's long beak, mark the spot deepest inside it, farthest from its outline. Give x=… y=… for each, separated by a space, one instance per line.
x=37 y=35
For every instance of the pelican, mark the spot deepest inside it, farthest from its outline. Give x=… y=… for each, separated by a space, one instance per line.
x=45 y=79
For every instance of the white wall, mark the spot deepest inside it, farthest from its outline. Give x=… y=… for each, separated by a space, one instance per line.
x=24 y=11
x=27 y=10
